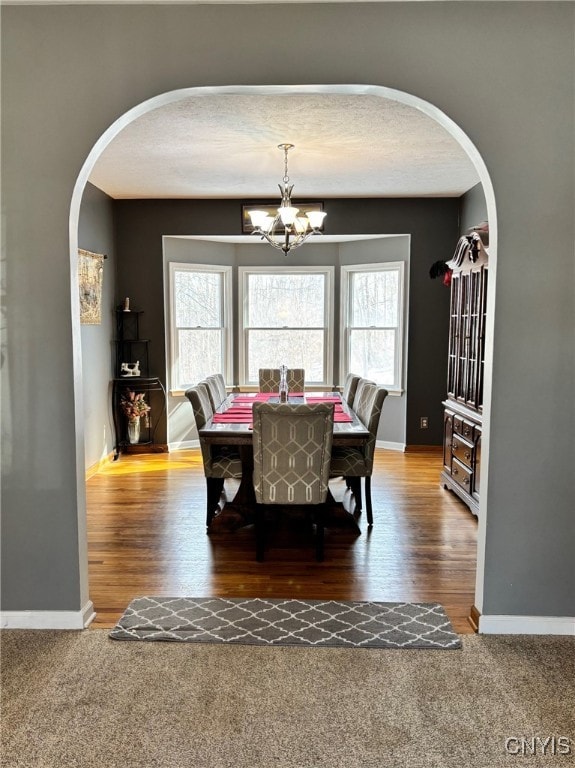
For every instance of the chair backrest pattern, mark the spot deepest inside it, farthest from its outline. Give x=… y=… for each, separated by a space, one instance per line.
x=221 y=385
x=269 y=379
x=292 y=452
x=359 y=392
x=200 y=399
x=350 y=387
x=214 y=393
x=369 y=411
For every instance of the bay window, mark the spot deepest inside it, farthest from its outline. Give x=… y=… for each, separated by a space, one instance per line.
x=372 y=322
x=286 y=317
x=200 y=297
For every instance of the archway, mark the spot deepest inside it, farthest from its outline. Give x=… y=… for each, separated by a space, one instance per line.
x=379 y=91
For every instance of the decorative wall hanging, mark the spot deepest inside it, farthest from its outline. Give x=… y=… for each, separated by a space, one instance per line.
x=90 y=274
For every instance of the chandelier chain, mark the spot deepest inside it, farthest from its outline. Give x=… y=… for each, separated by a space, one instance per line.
x=286 y=148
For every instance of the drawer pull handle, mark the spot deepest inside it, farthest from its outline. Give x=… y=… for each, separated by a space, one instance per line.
x=454 y=445
x=465 y=481
x=467 y=455
x=456 y=471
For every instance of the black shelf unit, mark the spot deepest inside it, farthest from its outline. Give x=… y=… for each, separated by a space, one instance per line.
x=155 y=393
x=130 y=348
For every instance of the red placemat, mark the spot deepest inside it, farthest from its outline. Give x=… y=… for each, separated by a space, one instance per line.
x=238 y=418
x=232 y=418
x=239 y=407
x=341 y=416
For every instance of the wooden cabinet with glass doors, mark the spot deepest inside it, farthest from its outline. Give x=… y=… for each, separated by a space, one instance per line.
x=463 y=408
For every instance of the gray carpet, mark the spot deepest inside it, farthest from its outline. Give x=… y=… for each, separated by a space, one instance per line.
x=81 y=700
x=261 y=621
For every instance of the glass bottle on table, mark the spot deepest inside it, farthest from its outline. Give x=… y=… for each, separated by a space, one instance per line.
x=283 y=390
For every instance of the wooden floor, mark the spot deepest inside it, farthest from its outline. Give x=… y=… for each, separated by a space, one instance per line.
x=147 y=536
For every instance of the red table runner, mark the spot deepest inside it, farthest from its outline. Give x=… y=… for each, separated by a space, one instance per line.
x=244 y=416
x=232 y=418
x=240 y=410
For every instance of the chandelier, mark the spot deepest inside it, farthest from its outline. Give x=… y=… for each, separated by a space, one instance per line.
x=286 y=230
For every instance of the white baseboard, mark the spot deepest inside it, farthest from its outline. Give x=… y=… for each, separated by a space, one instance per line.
x=526 y=625
x=48 y=619
x=390 y=446
x=183 y=445
x=99 y=465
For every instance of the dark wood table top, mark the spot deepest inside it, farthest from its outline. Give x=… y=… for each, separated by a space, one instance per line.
x=240 y=433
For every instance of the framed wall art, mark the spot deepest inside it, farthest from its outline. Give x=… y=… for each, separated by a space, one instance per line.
x=90 y=276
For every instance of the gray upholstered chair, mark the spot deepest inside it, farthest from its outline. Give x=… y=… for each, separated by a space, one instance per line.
x=216 y=389
x=353 y=397
x=292 y=451
x=358 y=391
x=221 y=385
x=220 y=462
x=213 y=393
x=269 y=379
x=352 y=462
x=349 y=388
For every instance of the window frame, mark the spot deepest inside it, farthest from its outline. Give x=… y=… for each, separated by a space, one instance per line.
x=225 y=273
x=329 y=316
x=347 y=272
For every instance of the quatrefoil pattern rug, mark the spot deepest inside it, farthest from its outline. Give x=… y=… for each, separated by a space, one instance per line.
x=311 y=623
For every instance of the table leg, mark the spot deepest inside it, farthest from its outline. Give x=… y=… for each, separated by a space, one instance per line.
x=240 y=510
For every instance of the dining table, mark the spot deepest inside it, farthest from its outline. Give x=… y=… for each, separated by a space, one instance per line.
x=231 y=425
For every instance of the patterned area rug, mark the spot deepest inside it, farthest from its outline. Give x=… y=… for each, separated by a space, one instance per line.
x=259 y=621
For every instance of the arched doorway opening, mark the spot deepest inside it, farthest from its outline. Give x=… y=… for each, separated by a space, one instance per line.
x=431 y=111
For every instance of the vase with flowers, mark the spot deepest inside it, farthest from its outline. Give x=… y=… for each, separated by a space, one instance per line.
x=135 y=407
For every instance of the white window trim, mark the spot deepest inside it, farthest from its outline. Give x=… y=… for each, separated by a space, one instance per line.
x=329 y=272
x=345 y=313
x=227 y=340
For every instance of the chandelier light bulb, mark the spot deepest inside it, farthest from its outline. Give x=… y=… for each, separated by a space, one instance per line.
x=288 y=214
x=258 y=218
x=316 y=218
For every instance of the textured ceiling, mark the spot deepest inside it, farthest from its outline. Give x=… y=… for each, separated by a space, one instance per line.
x=225 y=145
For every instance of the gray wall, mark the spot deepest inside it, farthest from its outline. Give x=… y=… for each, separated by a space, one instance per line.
x=503 y=72
x=96 y=233
x=433 y=228
x=181 y=428
x=473 y=209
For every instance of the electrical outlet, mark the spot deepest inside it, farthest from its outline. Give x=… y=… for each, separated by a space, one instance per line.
x=423 y=422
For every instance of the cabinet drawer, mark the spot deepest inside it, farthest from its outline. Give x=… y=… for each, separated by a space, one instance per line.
x=462 y=475
x=462 y=450
x=463 y=427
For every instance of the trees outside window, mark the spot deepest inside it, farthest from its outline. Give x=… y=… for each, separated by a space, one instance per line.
x=287 y=319
x=199 y=323
x=372 y=314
